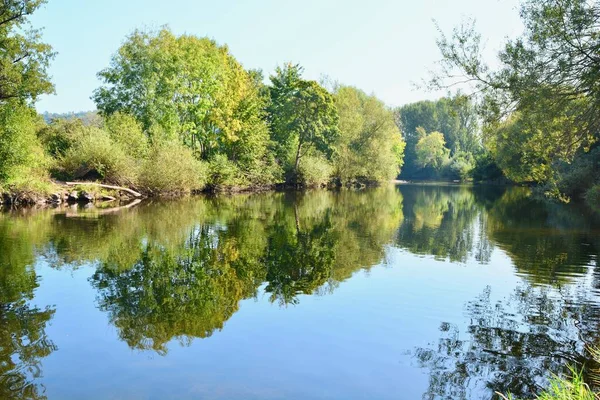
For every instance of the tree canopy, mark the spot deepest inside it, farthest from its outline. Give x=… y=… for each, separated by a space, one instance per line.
x=454 y=117
x=24 y=58
x=302 y=116
x=188 y=89
x=370 y=146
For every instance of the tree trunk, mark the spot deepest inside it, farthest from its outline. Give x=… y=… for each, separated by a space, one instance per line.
x=297 y=163
x=124 y=189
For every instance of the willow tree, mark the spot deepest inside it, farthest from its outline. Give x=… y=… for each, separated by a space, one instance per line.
x=187 y=88
x=370 y=146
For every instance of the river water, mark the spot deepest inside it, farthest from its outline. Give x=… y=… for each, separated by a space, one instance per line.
x=399 y=292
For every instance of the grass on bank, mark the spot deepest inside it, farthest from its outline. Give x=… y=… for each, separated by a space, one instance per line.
x=572 y=387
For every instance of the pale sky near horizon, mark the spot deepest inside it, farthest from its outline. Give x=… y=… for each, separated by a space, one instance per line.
x=383 y=47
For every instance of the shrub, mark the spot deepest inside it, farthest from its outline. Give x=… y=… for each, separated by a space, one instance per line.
x=127 y=132
x=223 y=172
x=461 y=166
x=486 y=169
x=60 y=134
x=314 y=171
x=172 y=168
x=94 y=155
x=575 y=178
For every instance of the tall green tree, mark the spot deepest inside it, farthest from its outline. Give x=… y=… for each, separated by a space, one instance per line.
x=302 y=116
x=370 y=146
x=431 y=150
x=191 y=89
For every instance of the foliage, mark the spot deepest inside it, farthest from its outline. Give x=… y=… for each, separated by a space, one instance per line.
x=126 y=132
x=188 y=89
x=461 y=166
x=59 y=135
x=431 y=151
x=370 y=147
x=23 y=164
x=223 y=172
x=540 y=105
x=23 y=61
x=172 y=168
x=455 y=117
x=486 y=169
x=592 y=197
x=314 y=170
x=24 y=58
x=302 y=117
x=95 y=155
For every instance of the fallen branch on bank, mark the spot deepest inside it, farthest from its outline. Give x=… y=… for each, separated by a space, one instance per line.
x=124 y=189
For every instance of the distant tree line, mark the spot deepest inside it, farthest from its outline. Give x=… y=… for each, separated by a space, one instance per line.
x=443 y=141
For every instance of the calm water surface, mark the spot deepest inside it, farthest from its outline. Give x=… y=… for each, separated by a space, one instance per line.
x=406 y=292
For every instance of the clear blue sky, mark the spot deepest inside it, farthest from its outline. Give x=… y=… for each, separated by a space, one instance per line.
x=380 y=46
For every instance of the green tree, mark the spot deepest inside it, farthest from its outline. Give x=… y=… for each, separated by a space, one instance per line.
x=22 y=160
x=24 y=59
x=431 y=150
x=302 y=117
x=192 y=90
x=370 y=146
x=127 y=132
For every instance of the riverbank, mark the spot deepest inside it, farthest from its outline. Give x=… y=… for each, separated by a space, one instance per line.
x=87 y=192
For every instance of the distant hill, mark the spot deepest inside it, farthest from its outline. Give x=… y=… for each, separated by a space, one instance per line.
x=88 y=117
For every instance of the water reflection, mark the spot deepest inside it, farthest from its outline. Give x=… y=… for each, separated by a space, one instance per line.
x=439 y=221
x=187 y=286
x=177 y=271
x=23 y=341
x=509 y=345
x=548 y=243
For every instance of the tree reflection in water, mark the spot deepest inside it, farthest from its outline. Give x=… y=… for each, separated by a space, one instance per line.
x=511 y=345
x=189 y=288
x=23 y=340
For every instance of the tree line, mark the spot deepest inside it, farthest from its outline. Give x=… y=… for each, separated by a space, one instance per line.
x=179 y=114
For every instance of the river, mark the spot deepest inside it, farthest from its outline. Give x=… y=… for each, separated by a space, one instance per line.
x=398 y=292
